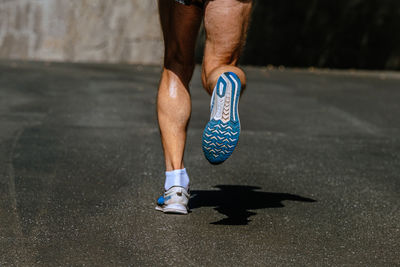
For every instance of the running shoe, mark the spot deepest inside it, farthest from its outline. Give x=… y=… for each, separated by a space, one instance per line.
x=174 y=200
x=221 y=134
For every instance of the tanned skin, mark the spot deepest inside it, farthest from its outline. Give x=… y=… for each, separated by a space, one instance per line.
x=225 y=23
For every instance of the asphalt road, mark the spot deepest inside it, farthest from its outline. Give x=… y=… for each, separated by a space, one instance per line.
x=313 y=182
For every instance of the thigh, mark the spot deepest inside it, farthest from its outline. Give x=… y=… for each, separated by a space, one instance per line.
x=180 y=25
x=225 y=23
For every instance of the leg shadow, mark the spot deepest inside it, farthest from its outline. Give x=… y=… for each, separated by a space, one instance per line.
x=235 y=201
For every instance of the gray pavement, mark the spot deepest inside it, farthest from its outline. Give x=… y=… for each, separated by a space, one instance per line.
x=313 y=182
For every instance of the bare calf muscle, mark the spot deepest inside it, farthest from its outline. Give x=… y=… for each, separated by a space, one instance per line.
x=173 y=100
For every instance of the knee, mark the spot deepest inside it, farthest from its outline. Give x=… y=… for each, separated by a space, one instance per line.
x=179 y=63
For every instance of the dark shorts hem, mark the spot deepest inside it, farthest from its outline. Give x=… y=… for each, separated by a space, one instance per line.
x=198 y=3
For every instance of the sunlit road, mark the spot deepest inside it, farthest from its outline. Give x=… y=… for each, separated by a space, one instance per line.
x=315 y=180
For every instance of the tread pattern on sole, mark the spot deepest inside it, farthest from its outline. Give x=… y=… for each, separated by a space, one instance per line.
x=219 y=140
x=220 y=137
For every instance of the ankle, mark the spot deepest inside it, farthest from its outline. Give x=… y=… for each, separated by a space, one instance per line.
x=210 y=78
x=176 y=178
x=174 y=166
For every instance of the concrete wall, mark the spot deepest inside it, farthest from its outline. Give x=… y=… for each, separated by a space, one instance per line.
x=81 y=30
x=361 y=34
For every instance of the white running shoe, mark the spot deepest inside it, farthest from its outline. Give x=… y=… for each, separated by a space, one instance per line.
x=174 y=200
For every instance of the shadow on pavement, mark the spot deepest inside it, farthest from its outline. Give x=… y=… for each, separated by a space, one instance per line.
x=235 y=201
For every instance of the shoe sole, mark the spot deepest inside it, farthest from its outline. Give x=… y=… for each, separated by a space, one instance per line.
x=221 y=134
x=173 y=209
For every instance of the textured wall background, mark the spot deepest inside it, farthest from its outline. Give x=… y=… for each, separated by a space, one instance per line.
x=81 y=30
x=361 y=34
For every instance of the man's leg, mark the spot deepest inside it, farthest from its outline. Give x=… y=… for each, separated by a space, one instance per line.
x=226 y=24
x=180 y=25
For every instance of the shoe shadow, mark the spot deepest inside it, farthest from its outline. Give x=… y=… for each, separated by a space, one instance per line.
x=235 y=201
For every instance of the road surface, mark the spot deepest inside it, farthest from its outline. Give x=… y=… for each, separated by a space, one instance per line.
x=315 y=180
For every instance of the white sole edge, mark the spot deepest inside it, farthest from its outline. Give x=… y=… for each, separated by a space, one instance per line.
x=173 y=208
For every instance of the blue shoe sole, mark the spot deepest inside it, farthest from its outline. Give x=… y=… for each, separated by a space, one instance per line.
x=221 y=136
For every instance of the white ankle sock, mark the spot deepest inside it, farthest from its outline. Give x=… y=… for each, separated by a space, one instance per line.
x=176 y=178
